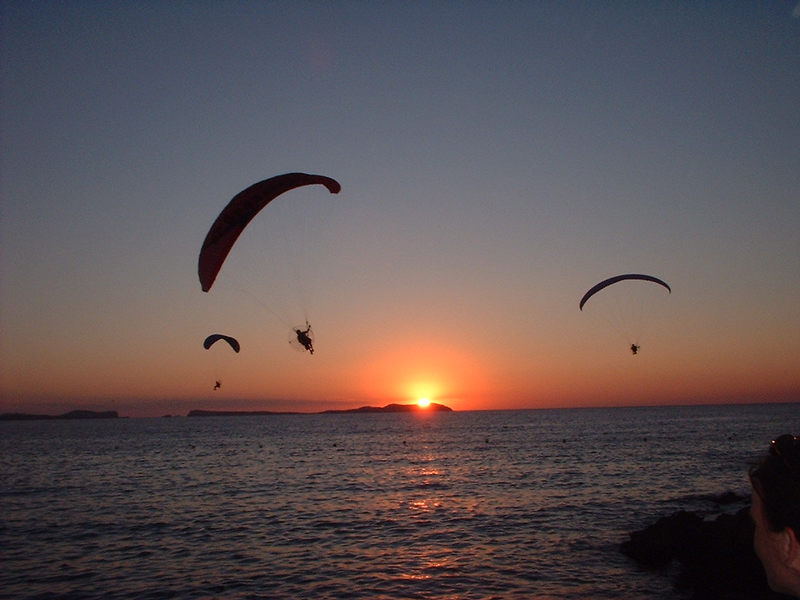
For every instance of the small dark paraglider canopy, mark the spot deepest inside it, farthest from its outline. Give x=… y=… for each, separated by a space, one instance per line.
x=612 y=280
x=215 y=337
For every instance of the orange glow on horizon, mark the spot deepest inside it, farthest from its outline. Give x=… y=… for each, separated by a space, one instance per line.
x=424 y=373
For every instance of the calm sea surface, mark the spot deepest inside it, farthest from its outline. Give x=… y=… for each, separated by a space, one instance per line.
x=507 y=504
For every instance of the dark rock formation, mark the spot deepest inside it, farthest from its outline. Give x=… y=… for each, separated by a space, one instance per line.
x=715 y=558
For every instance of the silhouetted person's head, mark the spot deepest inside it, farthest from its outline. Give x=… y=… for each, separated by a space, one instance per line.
x=776 y=513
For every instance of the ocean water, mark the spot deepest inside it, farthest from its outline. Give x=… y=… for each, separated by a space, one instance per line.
x=506 y=504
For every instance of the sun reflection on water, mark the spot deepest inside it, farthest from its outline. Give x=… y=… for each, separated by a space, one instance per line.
x=424 y=505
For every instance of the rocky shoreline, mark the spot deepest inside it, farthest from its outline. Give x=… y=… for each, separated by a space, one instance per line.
x=709 y=559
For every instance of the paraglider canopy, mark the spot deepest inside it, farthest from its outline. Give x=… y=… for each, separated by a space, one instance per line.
x=612 y=280
x=240 y=211
x=627 y=304
x=215 y=337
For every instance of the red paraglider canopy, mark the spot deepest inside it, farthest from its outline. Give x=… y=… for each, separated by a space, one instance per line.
x=240 y=211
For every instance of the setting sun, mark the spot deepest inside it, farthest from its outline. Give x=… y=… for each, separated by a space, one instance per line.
x=424 y=402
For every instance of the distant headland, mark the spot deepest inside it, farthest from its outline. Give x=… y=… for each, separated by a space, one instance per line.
x=393 y=408
x=236 y=413
x=112 y=414
x=73 y=414
x=390 y=408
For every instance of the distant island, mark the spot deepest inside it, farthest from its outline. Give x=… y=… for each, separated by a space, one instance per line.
x=236 y=413
x=390 y=408
x=393 y=408
x=73 y=414
x=112 y=414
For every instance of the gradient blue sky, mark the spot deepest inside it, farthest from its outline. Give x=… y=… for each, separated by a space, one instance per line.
x=496 y=159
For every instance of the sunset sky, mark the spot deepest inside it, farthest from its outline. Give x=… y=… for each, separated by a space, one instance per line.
x=496 y=159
